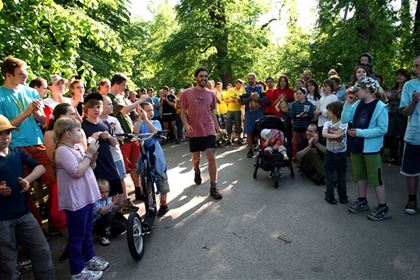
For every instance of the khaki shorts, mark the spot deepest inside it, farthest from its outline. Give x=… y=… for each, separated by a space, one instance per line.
x=367 y=167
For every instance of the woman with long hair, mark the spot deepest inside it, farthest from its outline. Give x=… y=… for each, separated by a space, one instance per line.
x=284 y=87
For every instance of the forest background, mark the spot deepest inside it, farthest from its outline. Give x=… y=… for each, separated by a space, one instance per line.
x=96 y=38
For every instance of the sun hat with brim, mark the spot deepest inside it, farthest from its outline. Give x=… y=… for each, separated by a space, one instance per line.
x=56 y=78
x=366 y=82
x=5 y=124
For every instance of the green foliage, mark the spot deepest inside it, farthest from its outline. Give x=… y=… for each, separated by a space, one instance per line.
x=62 y=39
x=370 y=26
x=220 y=34
x=96 y=38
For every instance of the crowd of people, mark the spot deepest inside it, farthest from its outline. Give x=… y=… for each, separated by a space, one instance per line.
x=80 y=147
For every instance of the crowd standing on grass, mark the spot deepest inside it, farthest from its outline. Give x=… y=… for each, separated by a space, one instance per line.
x=79 y=148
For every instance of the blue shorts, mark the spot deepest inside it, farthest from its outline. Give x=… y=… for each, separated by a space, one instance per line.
x=250 y=118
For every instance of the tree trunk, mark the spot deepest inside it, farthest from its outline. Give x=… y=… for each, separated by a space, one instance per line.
x=217 y=14
x=416 y=30
x=365 y=28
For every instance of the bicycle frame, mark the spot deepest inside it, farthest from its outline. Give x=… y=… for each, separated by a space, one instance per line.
x=146 y=170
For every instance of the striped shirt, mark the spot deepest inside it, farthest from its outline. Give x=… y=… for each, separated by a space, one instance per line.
x=299 y=107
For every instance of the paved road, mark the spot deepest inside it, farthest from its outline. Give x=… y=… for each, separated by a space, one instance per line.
x=258 y=232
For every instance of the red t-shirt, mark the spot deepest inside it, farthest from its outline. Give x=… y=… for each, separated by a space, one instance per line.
x=272 y=95
x=199 y=104
x=289 y=93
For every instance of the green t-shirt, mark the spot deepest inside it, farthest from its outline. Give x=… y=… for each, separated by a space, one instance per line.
x=119 y=102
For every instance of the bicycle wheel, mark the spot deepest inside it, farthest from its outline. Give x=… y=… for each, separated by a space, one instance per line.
x=135 y=238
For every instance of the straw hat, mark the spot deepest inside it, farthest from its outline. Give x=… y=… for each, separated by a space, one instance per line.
x=5 y=124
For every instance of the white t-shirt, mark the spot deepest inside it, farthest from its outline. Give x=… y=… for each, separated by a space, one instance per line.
x=117 y=129
x=339 y=145
x=322 y=107
x=52 y=103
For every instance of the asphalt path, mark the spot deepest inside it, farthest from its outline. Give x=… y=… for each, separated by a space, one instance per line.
x=259 y=232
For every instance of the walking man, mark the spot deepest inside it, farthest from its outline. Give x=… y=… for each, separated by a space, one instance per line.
x=200 y=122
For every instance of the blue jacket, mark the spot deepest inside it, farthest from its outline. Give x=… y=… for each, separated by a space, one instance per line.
x=378 y=125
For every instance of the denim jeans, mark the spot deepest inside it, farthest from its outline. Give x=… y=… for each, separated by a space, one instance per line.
x=80 y=244
x=234 y=117
x=335 y=172
x=26 y=232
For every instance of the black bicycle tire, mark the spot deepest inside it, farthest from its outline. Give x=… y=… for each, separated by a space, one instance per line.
x=132 y=218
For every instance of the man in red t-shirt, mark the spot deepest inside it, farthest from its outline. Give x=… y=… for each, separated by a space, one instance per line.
x=200 y=122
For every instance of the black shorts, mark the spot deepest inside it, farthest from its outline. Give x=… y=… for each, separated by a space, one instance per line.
x=200 y=144
x=410 y=164
x=166 y=117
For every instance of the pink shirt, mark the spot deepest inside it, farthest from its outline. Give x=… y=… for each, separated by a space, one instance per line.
x=74 y=193
x=199 y=104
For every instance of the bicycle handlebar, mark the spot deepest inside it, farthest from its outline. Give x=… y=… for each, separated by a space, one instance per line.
x=142 y=136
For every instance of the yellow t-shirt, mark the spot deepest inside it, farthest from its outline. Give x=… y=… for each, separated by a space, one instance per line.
x=222 y=106
x=231 y=97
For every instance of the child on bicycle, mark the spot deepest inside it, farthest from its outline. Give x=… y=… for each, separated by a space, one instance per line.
x=78 y=192
x=145 y=124
x=109 y=221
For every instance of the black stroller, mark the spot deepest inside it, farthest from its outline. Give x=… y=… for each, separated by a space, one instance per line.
x=274 y=163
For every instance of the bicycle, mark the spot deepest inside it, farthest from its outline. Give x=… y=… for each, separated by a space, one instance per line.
x=136 y=227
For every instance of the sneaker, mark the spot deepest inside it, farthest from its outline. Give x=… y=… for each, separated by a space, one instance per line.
x=87 y=274
x=359 y=206
x=162 y=210
x=330 y=199
x=97 y=264
x=104 y=241
x=228 y=143
x=64 y=256
x=214 y=192
x=250 y=153
x=411 y=207
x=23 y=266
x=379 y=214
x=177 y=141
x=197 y=177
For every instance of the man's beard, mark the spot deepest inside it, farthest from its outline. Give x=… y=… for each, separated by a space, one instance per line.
x=202 y=83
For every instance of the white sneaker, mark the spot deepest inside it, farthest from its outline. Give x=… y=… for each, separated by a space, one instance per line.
x=104 y=240
x=97 y=264
x=87 y=274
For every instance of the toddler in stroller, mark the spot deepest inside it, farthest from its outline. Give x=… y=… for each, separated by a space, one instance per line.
x=272 y=141
x=274 y=148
